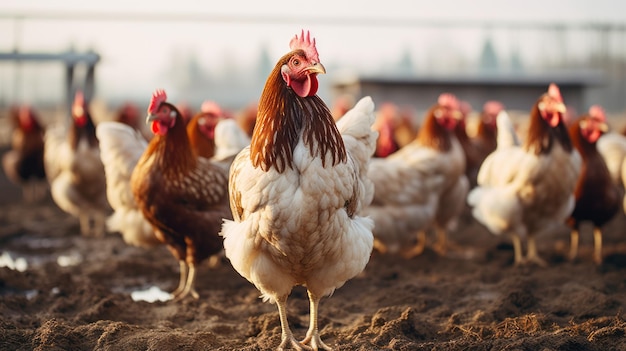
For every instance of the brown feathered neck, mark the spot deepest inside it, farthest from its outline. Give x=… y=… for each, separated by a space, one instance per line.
x=199 y=142
x=283 y=117
x=172 y=151
x=432 y=134
x=86 y=132
x=486 y=131
x=461 y=132
x=584 y=147
x=541 y=137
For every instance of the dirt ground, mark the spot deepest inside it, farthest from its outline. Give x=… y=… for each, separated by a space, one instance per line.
x=75 y=295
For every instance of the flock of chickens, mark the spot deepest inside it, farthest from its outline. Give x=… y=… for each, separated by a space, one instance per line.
x=305 y=196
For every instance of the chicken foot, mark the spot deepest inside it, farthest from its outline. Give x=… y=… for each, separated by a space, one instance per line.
x=286 y=337
x=419 y=247
x=186 y=283
x=313 y=335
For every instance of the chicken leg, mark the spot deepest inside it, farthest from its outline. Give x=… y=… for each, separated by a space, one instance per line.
x=313 y=335
x=532 y=255
x=286 y=336
x=573 y=248
x=186 y=283
x=597 y=245
x=183 y=279
x=517 y=249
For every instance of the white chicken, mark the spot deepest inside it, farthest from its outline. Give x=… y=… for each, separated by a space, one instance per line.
x=420 y=186
x=75 y=171
x=612 y=147
x=296 y=192
x=526 y=190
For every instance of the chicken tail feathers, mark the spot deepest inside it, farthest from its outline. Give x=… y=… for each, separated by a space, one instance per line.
x=356 y=128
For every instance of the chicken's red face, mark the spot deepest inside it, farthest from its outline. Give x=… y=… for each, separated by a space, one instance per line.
x=551 y=106
x=207 y=124
x=300 y=73
x=26 y=119
x=595 y=125
x=448 y=114
x=162 y=120
x=490 y=113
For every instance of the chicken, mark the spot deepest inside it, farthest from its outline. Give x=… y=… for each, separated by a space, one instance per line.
x=526 y=190
x=612 y=147
x=486 y=133
x=23 y=163
x=183 y=196
x=421 y=186
x=75 y=171
x=121 y=146
x=473 y=154
x=246 y=118
x=598 y=198
x=120 y=149
x=128 y=113
x=296 y=192
x=201 y=129
x=385 y=125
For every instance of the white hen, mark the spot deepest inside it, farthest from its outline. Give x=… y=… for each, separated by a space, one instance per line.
x=297 y=190
x=525 y=190
x=75 y=171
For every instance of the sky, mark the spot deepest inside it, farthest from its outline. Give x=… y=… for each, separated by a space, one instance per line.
x=137 y=39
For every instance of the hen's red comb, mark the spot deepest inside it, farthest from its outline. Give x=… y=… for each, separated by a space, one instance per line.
x=211 y=107
x=158 y=97
x=305 y=43
x=597 y=112
x=493 y=107
x=554 y=92
x=448 y=100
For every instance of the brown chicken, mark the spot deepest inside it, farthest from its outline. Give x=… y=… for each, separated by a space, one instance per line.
x=473 y=154
x=201 y=129
x=598 y=198
x=23 y=164
x=183 y=196
x=385 y=126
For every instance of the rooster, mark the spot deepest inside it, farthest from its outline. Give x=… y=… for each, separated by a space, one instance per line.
x=598 y=198
x=75 y=171
x=183 y=196
x=23 y=164
x=296 y=192
x=421 y=186
x=525 y=190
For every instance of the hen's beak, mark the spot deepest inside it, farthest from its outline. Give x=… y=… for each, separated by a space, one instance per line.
x=317 y=68
x=151 y=118
x=561 y=108
x=604 y=128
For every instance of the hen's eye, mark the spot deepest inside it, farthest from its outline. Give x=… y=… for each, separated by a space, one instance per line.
x=296 y=62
